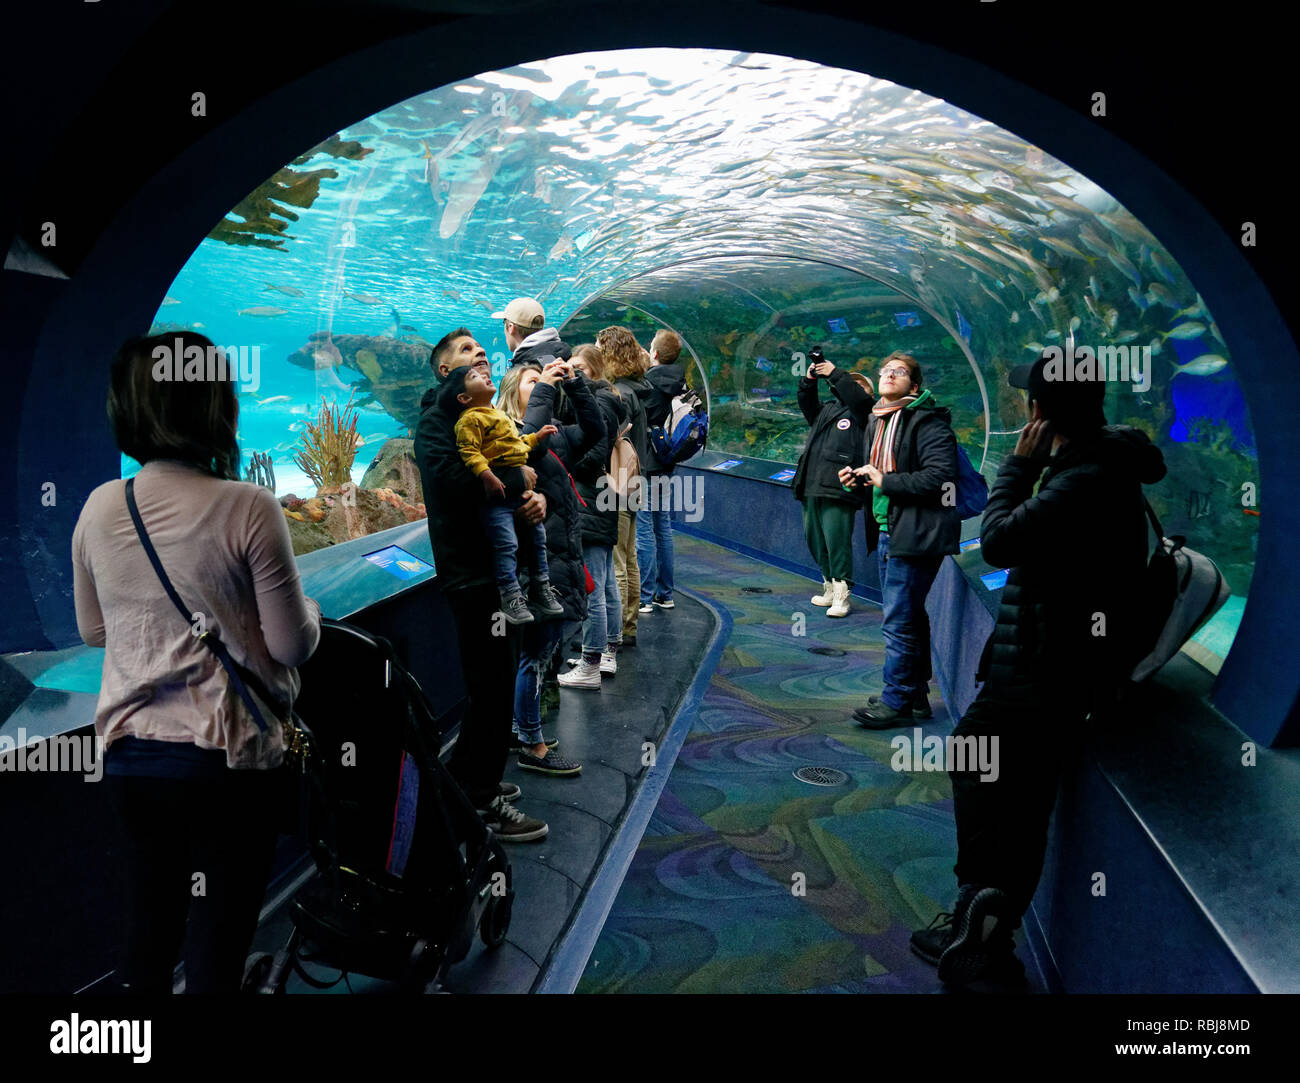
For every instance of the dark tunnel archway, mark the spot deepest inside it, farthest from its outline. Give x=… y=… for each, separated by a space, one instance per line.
x=120 y=283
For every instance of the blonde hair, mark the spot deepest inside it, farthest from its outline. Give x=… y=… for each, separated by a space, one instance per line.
x=593 y=357
x=667 y=345
x=624 y=357
x=508 y=396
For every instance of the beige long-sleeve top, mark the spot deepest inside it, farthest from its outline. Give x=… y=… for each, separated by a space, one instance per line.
x=225 y=546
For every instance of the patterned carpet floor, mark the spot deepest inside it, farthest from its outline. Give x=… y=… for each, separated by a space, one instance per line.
x=748 y=880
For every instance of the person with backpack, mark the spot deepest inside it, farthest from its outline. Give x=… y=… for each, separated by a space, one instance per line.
x=1062 y=647
x=911 y=463
x=625 y=365
x=654 y=532
x=834 y=442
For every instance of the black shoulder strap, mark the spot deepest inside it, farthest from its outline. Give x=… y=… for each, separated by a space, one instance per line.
x=239 y=677
x=1154 y=520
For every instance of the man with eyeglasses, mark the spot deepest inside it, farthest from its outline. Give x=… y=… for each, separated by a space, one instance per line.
x=911 y=464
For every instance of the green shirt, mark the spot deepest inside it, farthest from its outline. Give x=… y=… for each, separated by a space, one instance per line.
x=879 y=501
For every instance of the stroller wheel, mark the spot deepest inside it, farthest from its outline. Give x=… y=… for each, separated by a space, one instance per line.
x=256 y=970
x=496 y=920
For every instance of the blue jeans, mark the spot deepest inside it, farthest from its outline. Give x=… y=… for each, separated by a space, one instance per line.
x=654 y=553
x=499 y=524
x=904 y=583
x=604 y=623
x=539 y=642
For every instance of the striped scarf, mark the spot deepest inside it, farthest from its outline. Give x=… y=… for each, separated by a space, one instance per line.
x=882 y=444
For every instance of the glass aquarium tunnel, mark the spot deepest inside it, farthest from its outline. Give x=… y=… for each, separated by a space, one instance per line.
x=757 y=205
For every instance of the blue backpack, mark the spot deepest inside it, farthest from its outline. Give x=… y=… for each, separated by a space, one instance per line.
x=684 y=432
x=972 y=489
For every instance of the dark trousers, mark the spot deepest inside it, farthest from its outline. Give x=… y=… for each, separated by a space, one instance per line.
x=177 y=829
x=501 y=527
x=1002 y=824
x=828 y=527
x=488 y=663
x=904 y=583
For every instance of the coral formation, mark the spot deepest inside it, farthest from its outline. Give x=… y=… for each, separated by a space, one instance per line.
x=329 y=445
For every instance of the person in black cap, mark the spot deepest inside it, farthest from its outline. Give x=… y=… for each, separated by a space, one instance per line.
x=1076 y=551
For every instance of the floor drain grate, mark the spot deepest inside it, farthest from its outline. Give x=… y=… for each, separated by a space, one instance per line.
x=828 y=652
x=821 y=776
x=756 y=590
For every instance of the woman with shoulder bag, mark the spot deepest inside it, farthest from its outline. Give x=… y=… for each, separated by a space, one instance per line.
x=192 y=712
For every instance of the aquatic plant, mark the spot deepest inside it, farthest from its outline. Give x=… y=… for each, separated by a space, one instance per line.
x=261 y=471
x=329 y=445
x=265 y=211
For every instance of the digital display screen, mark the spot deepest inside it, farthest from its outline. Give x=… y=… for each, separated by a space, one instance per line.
x=838 y=326
x=974 y=543
x=399 y=562
x=728 y=464
x=782 y=475
x=907 y=319
x=994 y=580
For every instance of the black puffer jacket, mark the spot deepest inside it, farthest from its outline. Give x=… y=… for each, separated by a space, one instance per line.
x=563 y=508
x=925 y=459
x=541 y=347
x=1076 y=549
x=835 y=440
x=666 y=382
x=600 y=516
x=635 y=395
x=452 y=498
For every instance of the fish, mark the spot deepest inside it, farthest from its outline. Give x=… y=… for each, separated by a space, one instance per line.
x=1122 y=264
x=1205 y=365
x=453 y=295
x=1075 y=323
x=274 y=398
x=1053 y=334
x=1094 y=287
x=292 y=291
x=561 y=247
x=295 y=426
x=1155 y=345
x=1015 y=317
x=1064 y=248
x=1093 y=243
x=1111 y=317
x=1035 y=347
x=1196 y=309
x=1138 y=298
x=170 y=300
x=1123 y=337
x=1164 y=266
x=1185 y=331
x=364 y=298
x=1160 y=294
x=483 y=303
x=1046 y=297
x=262 y=310
x=464 y=197
x=438 y=188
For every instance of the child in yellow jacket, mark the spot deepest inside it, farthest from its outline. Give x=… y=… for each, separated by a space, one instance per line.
x=485 y=436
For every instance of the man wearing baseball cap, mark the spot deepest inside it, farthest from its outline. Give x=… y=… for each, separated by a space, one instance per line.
x=1076 y=549
x=528 y=336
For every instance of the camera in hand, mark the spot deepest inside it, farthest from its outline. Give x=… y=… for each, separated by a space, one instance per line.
x=815 y=357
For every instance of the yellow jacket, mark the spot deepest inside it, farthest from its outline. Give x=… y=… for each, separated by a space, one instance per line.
x=486 y=437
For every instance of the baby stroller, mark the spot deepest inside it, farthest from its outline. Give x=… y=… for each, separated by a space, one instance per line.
x=406 y=870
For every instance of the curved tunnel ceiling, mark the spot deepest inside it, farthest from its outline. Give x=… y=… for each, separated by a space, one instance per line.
x=663 y=179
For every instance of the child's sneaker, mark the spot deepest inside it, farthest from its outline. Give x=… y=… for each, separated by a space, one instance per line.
x=515 y=609
x=583 y=675
x=543 y=595
x=608 y=665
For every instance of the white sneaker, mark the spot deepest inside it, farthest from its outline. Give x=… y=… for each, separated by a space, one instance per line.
x=583 y=675
x=608 y=664
x=647 y=608
x=824 y=598
x=839 y=599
